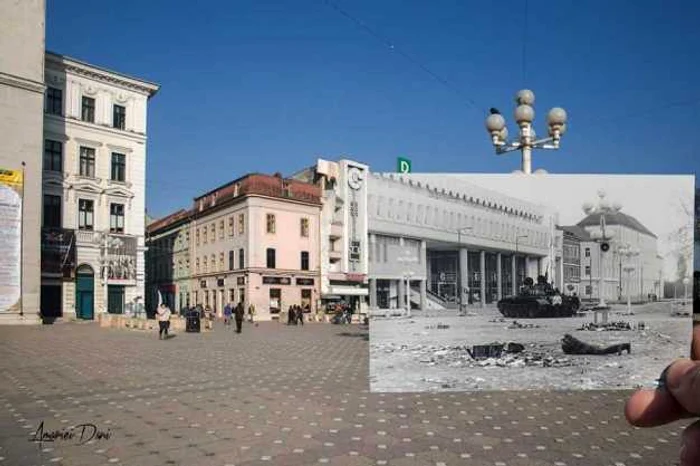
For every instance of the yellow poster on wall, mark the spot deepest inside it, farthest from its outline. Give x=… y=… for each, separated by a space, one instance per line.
x=10 y=239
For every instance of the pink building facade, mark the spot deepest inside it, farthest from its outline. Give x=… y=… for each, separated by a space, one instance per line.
x=256 y=241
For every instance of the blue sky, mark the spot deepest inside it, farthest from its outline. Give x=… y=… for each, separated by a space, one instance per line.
x=262 y=85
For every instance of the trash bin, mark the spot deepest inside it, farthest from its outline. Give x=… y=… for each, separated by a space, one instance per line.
x=193 y=322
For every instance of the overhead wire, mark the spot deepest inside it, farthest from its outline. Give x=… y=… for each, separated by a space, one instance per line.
x=470 y=102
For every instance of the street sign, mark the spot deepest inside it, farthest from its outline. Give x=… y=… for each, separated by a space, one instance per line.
x=403 y=165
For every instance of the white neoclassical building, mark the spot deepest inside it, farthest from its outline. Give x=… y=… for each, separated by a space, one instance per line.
x=453 y=242
x=94 y=170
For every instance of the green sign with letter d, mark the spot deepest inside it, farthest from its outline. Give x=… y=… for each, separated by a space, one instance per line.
x=403 y=165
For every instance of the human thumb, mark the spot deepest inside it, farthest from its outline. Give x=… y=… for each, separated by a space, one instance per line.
x=683 y=381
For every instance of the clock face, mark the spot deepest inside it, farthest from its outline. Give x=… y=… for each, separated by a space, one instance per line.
x=355 y=177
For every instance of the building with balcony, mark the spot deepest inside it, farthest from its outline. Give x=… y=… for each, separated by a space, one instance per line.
x=21 y=126
x=343 y=230
x=168 y=271
x=93 y=188
x=572 y=237
x=254 y=240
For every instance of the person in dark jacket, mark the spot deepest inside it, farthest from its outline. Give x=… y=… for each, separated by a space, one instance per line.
x=300 y=315
x=291 y=316
x=238 y=315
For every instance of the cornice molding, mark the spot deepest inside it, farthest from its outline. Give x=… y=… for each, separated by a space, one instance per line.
x=68 y=65
x=120 y=149
x=88 y=142
x=22 y=83
x=56 y=136
x=139 y=138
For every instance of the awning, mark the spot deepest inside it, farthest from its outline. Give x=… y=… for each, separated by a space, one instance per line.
x=348 y=291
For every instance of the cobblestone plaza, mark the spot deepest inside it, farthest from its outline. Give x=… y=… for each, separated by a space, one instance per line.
x=284 y=396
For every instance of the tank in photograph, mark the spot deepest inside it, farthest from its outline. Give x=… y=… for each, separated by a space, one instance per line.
x=538 y=300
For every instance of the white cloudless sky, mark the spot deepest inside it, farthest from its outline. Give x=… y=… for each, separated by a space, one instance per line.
x=655 y=200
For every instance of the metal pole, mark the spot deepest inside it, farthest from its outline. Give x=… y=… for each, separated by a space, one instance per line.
x=526 y=149
x=629 y=301
x=21 y=245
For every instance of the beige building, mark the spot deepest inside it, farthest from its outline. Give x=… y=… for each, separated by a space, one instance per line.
x=21 y=125
x=254 y=240
x=94 y=173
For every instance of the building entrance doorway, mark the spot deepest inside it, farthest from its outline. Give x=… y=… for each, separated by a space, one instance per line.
x=51 y=300
x=115 y=299
x=85 y=293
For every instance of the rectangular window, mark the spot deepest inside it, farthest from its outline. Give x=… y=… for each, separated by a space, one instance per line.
x=86 y=214
x=230 y=260
x=588 y=252
x=588 y=270
x=118 y=167
x=589 y=290
x=88 y=110
x=241 y=258
x=53 y=156
x=241 y=224
x=231 y=296
x=205 y=263
x=116 y=218
x=205 y=230
x=87 y=162
x=221 y=261
x=230 y=225
x=271 y=259
x=54 y=101
x=304 y=260
x=119 y=117
x=196 y=265
x=221 y=229
x=271 y=223
x=52 y=211
x=196 y=236
x=305 y=227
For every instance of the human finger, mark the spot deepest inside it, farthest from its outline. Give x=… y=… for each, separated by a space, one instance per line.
x=683 y=382
x=651 y=408
x=695 y=346
x=690 y=445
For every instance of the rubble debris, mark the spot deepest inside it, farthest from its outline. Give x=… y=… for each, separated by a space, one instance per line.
x=679 y=313
x=609 y=327
x=515 y=347
x=493 y=350
x=439 y=326
x=571 y=345
x=518 y=325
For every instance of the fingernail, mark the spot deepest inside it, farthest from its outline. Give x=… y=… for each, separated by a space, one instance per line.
x=662 y=382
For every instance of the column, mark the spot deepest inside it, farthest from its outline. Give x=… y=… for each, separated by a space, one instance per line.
x=514 y=277
x=402 y=294
x=372 y=293
x=423 y=295
x=539 y=266
x=482 y=271
x=499 y=275
x=463 y=276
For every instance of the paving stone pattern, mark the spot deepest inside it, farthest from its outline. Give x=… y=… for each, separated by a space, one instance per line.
x=287 y=396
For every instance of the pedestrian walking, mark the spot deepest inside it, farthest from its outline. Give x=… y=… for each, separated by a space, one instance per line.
x=251 y=312
x=300 y=315
x=163 y=316
x=291 y=316
x=228 y=311
x=238 y=314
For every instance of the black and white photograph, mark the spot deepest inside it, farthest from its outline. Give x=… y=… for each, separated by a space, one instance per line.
x=511 y=282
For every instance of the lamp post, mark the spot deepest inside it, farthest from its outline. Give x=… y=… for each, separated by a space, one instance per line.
x=461 y=290
x=686 y=281
x=602 y=237
x=628 y=253
x=517 y=237
x=527 y=139
x=407 y=258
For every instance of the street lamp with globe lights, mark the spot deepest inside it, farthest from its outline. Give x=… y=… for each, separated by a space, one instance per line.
x=602 y=207
x=527 y=139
